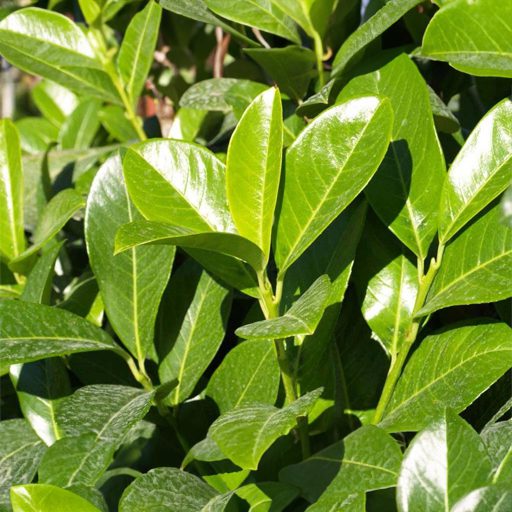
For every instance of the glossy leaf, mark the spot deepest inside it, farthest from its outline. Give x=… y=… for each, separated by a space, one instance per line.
x=48 y=498
x=506 y=207
x=262 y=14
x=477 y=355
x=267 y=496
x=442 y=464
x=131 y=283
x=139 y=233
x=209 y=95
x=48 y=44
x=20 y=453
x=244 y=434
x=331 y=161
x=36 y=134
x=167 y=488
x=389 y=14
x=93 y=421
x=179 y=183
x=497 y=498
x=481 y=171
x=301 y=319
x=12 y=238
x=367 y=459
x=30 y=332
x=387 y=282
x=291 y=67
x=498 y=441
x=412 y=173
x=248 y=373
x=487 y=51
x=195 y=318
x=476 y=266
x=55 y=102
x=136 y=52
x=79 y=129
x=254 y=168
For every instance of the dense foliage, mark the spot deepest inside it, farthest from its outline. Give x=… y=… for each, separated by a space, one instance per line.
x=256 y=255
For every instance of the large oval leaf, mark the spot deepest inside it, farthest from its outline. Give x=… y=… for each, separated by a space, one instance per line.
x=481 y=171
x=477 y=355
x=331 y=161
x=131 y=283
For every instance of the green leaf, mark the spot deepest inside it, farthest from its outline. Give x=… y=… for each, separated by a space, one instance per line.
x=53 y=218
x=387 y=283
x=38 y=287
x=210 y=94
x=79 y=129
x=20 y=453
x=248 y=373
x=442 y=464
x=478 y=42
x=443 y=117
x=178 y=182
x=93 y=421
x=244 y=434
x=480 y=172
x=55 y=102
x=497 y=498
x=136 y=52
x=254 y=168
x=267 y=496
x=291 y=67
x=413 y=170
x=261 y=14
x=477 y=355
x=30 y=332
x=167 y=489
x=241 y=94
x=506 y=207
x=36 y=134
x=141 y=233
x=367 y=459
x=476 y=266
x=195 y=318
x=131 y=283
x=48 y=498
x=301 y=319
x=49 y=44
x=328 y=165
x=498 y=441
x=12 y=238
x=389 y=14
x=40 y=386
x=114 y=120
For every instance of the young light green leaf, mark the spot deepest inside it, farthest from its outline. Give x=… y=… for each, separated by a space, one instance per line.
x=20 y=453
x=481 y=171
x=131 y=283
x=262 y=14
x=413 y=170
x=311 y=15
x=387 y=283
x=114 y=120
x=476 y=266
x=40 y=386
x=244 y=434
x=254 y=168
x=178 y=183
x=291 y=67
x=301 y=319
x=442 y=464
x=389 y=14
x=327 y=166
x=49 y=44
x=497 y=498
x=248 y=373
x=30 y=332
x=12 y=238
x=267 y=496
x=55 y=102
x=36 y=134
x=136 y=52
x=367 y=459
x=196 y=316
x=80 y=128
x=93 y=421
x=478 y=355
x=55 y=215
x=478 y=43
x=506 y=207
x=167 y=488
x=142 y=232
x=48 y=498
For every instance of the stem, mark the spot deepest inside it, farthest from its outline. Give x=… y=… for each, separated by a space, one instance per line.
x=398 y=360
x=270 y=304
x=319 y=53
